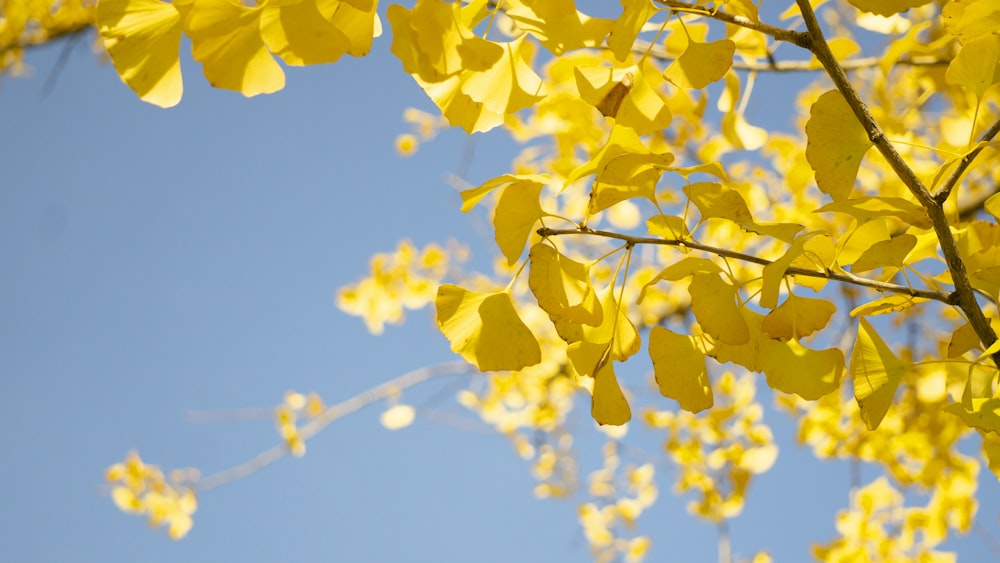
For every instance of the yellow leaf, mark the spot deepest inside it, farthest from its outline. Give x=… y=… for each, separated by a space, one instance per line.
x=433 y=44
x=301 y=35
x=562 y=287
x=962 y=340
x=975 y=66
x=701 y=64
x=969 y=20
x=226 y=40
x=679 y=367
x=984 y=414
x=397 y=416
x=876 y=372
x=782 y=231
x=992 y=206
x=836 y=145
x=681 y=269
x=126 y=500
x=143 y=38
x=748 y=353
x=669 y=227
x=741 y=134
x=517 y=212
x=485 y=329
x=509 y=84
x=793 y=368
x=890 y=253
x=713 y=168
x=713 y=302
x=473 y=196
x=356 y=19
x=625 y=95
x=774 y=272
x=558 y=25
x=873 y=207
x=715 y=200
x=888 y=304
x=886 y=7
x=609 y=405
x=627 y=27
x=798 y=317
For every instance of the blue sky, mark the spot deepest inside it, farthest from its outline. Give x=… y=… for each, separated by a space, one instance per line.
x=158 y=262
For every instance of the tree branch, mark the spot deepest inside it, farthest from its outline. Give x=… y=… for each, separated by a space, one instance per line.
x=843 y=277
x=956 y=174
x=965 y=297
x=781 y=34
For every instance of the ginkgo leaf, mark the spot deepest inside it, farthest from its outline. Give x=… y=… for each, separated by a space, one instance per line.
x=301 y=35
x=782 y=231
x=615 y=327
x=434 y=46
x=701 y=64
x=226 y=40
x=143 y=39
x=872 y=207
x=992 y=205
x=962 y=340
x=984 y=414
x=876 y=372
x=516 y=213
x=890 y=253
x=609 y=405
x=679 y=367
x=713 y=168
x=485 y=329
x=818 y=255
x=969 y=20
x=562 y=287
x=713 y=302
x=473 y=196
x=625 y=95
x=397 y=416
x=587 y=357
x=792 y=368
x=681 y=269
x=627 y=27
x=888 y=304
x=356 y=19
x=886 y=8
x=714 y=200
x=836 y=144
x=798 y=317
x=669 y=227
x=558 y=25
x=975 y=65
x=747 y=354
x=774 y=272
x=509 y=84
x=742 y=134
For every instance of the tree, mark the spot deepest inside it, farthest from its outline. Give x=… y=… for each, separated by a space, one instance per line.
x=641 y=217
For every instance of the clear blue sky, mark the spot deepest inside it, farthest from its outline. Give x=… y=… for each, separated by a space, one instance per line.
x=157 y=262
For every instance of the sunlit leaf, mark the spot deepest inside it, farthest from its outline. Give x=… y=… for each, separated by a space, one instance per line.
x=714 y=200
x=793 y=368
x=886 y=7
x=890 y=253
x=301 y=35
x=679 y=367
x=798 y=317
x=969 y=20
x=627 y=27
x=609 y=405
x=701 y=64
x=681 y=269
x=226 y=40
x=143 y=38
x=984 y=414
x=558 y=25
x=876 y=372
x=975 y=66
x=836 y=145
x=562 y=287
x=485 y=329
x=517 y=212
x=669 y=227
x=473 y=196
x=888 y=304
x=625 y=95
x=713 y=302
x=872 y=207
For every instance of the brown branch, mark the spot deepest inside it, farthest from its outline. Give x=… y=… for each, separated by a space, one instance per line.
x=842 y=277
x=965 y=297
x=781 y=34
x=964 y=164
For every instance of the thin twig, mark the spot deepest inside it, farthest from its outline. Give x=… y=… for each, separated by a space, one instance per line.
x=53 y=77
x=781 y=34
x=963 y=165
x=773 y=65
x=965 y=297
x=329 y=415
x=843 y=277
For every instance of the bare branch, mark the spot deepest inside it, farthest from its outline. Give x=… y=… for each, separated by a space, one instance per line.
x=843 y=277
x=781 y=34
